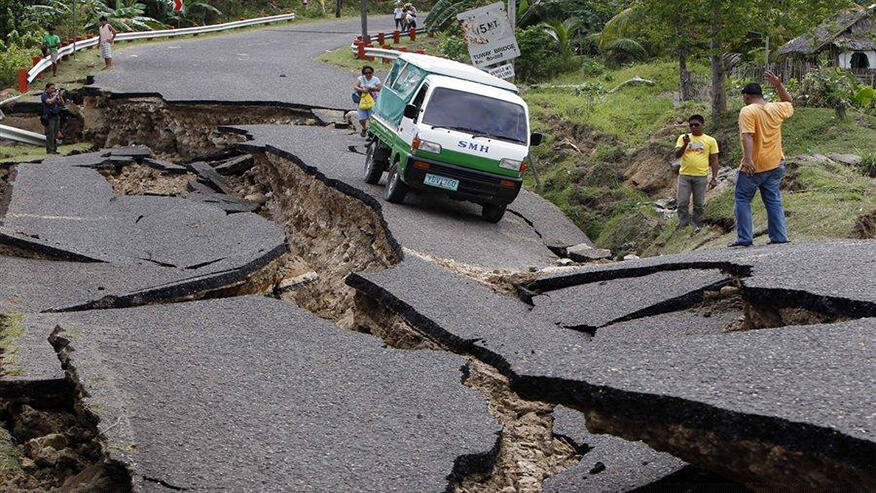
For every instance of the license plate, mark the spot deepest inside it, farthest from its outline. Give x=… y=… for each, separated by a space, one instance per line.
x=441 y=182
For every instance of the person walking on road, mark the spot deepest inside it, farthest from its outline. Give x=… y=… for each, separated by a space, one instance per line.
x=107 y=40
x=366 y=88
x=51 y=43
x=398 y=14
x=698 y=153
x=763 y=163
x=51 y=101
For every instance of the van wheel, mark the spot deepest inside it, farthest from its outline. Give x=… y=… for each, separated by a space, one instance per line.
x=396 y=189
x=373 y=167
x=493 y=213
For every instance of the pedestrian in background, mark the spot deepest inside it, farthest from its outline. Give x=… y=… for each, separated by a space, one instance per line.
x=398 y=14
x=763 y=162
x=51 y=43
x=51 y=99
x=410 y=17
x=698 y=153
x=107 y=39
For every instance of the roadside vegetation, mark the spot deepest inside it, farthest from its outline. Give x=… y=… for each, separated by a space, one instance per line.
x=611 y=85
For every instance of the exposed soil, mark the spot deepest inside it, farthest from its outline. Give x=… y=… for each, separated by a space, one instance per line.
x=329 y=231
x=177 y=129
x=529 y=453
x=139 y=179
x=54 y=446
x=790 y=470
x=865 y=226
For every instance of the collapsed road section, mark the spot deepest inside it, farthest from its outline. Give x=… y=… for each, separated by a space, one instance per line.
x=642 y=350
x=791 y=399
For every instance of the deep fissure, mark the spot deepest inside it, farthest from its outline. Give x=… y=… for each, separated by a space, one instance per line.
x=49 y=440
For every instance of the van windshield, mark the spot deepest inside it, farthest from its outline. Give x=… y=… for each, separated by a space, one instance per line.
x=476 y=114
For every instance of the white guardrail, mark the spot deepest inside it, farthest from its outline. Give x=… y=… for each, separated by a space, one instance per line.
x=19 y=135
x=46 y=63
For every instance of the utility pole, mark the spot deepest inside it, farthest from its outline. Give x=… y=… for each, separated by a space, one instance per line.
x=512 y=19
x=364 y=20
x=75 y=25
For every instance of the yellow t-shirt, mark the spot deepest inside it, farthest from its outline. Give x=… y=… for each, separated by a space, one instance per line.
x=695 y=160
x=765 y=122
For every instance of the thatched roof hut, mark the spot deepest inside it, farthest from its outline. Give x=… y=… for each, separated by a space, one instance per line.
x=852 y=30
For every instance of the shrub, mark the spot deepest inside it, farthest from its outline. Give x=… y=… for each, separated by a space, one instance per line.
x=868 y=164
x=539 y=59
x=13 y=59
x=827 y=87
x=454 y=47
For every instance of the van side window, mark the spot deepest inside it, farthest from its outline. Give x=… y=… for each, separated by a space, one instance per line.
x=408 y=80
x=418 y=100
x=402 y=75
x=393 y=74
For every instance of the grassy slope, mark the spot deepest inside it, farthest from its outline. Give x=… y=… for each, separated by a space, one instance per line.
x=612 y=126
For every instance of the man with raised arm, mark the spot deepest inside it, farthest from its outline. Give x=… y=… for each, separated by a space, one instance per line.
x=763 y=163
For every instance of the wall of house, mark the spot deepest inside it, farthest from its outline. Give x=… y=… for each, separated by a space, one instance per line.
x=845 y=59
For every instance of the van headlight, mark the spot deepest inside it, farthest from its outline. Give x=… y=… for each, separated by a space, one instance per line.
x=425 y=145
x=511 y=164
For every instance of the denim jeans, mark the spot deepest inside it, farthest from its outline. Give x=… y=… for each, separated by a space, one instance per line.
x=687 y=186
x=768 y=183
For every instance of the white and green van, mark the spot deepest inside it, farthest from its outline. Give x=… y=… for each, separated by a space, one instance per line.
x=445 y=126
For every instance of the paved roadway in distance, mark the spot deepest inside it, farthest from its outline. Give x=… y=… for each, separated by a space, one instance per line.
x=271 y=64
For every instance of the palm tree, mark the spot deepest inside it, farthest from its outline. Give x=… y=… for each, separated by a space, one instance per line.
x=616 y=38
x=563 y=32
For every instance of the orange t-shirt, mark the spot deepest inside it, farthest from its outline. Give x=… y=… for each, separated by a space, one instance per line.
x=765 y=122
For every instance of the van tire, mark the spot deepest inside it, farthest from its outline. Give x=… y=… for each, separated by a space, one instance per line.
x=373 y=167
x=493 y=213
x=396 y=189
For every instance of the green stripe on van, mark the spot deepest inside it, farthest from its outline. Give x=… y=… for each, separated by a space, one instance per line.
x=469 y=161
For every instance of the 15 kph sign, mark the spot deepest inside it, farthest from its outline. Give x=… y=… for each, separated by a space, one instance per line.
x=489 y=35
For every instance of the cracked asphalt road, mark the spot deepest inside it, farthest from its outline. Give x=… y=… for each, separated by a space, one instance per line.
x=430 y=224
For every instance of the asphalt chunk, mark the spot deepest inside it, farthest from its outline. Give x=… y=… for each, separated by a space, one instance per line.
x=253 y=393
x=600 y=303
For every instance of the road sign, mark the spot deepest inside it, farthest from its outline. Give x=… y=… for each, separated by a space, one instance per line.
x=502 y=71
x=489 y=35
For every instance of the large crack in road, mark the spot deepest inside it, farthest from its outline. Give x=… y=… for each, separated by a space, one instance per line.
x=446 y=355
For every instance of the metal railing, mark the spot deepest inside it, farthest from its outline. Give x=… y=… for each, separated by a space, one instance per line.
x=388 y=54
x=19 y=135
x=69 y=49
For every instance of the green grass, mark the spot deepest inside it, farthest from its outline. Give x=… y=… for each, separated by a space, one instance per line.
x=631 y=114
x=344 y=58
x=11 y=329
x=829 y=199
x=10 y=456
x=22 y=153
x=609 y=128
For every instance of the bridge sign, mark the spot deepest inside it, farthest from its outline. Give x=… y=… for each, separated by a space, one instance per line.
x=489 y=35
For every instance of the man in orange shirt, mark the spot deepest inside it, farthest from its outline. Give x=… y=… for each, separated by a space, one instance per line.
x=763 y=163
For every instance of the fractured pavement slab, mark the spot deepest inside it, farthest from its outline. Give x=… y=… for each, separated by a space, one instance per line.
x=796 y=400
x=70 y=208
x=78 y=286
x=252 y=393
x=427 y=223
x=836 y=276
x=596 y=304
x=608 y=463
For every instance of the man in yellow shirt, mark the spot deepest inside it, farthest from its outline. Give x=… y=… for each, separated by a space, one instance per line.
x=698 y=153
x=763 y=163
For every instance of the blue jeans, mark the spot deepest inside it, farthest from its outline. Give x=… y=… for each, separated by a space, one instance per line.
x=768 y=183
